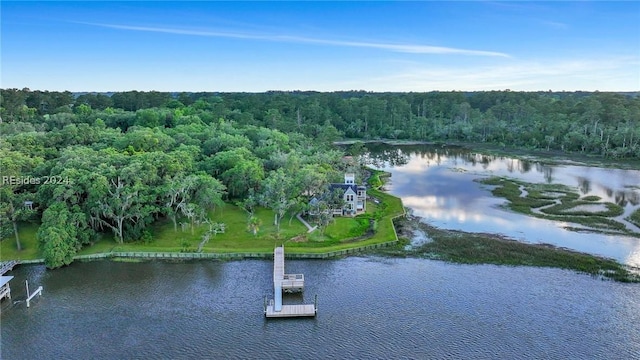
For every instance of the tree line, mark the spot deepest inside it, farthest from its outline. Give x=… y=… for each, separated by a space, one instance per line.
x=606 y=124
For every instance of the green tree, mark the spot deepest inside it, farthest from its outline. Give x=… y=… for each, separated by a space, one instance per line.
x=12 y=102
x=242 y=177
x=121 y=205
x=278 y=194
x=57 y=236
x=253 y=224
x=17 y=175
x=192 y=196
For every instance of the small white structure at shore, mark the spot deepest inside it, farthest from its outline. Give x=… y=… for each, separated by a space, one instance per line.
x=5 y=289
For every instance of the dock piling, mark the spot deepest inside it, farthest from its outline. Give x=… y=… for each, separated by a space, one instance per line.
x=31 y=296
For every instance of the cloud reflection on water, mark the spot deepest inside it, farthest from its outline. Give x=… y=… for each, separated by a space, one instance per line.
x=438 y=185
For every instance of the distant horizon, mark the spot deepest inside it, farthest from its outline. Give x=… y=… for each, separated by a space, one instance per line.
x=256 y=47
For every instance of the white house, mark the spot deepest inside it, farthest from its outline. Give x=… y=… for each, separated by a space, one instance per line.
x=354 y=197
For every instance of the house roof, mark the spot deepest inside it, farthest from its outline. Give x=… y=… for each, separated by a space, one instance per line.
x=344 y=187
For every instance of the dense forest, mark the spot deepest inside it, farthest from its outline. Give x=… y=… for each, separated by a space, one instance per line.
x=606 y=124
x=92 y=163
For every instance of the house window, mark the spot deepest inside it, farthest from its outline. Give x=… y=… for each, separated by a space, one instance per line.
x=349 y=197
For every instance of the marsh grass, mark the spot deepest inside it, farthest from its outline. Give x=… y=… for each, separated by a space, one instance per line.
x=476 y=248
x=555 y=202
x=592 y=198
x=635 y=217
x=565 y=208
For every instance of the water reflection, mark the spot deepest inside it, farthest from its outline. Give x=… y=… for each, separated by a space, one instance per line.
x=584 y=185
x=387 y=155
x=438 y=184
x=369 y=308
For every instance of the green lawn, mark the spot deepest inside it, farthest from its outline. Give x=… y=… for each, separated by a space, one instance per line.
x=391 y=207
x=339 y=234
x=344 y=228
x=237 y=237
x=27 y=233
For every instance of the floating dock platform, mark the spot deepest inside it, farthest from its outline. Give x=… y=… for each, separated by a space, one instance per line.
x=302 y=310
x=286 y=283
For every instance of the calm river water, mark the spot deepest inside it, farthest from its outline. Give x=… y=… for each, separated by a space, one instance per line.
x=439 y=185
x=369 y=308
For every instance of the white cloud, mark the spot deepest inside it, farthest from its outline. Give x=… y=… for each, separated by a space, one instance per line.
x=402 y=48
x=555 y=24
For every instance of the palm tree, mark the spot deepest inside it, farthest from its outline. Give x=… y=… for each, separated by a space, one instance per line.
x=253 y=224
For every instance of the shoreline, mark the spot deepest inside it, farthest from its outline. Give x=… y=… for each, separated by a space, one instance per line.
x=452 y=246
x=447 y=242
x=187 y=256
x=461 y=247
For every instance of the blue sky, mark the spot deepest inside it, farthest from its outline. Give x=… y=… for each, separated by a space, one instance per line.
x=324 y=46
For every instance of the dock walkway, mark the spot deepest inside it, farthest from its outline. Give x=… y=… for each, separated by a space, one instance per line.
x=286 y=283
x=6 y=266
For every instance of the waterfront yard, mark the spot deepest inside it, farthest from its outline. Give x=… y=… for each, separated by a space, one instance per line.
x=342 y=233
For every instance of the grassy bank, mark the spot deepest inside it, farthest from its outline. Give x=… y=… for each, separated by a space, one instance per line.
x=27 y=233
x=473 y=248
x=553 y=156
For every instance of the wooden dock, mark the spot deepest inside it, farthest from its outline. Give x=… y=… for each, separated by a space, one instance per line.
x=286 y=283
x=6 y=266
x=5 y=290
x=301 y=310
